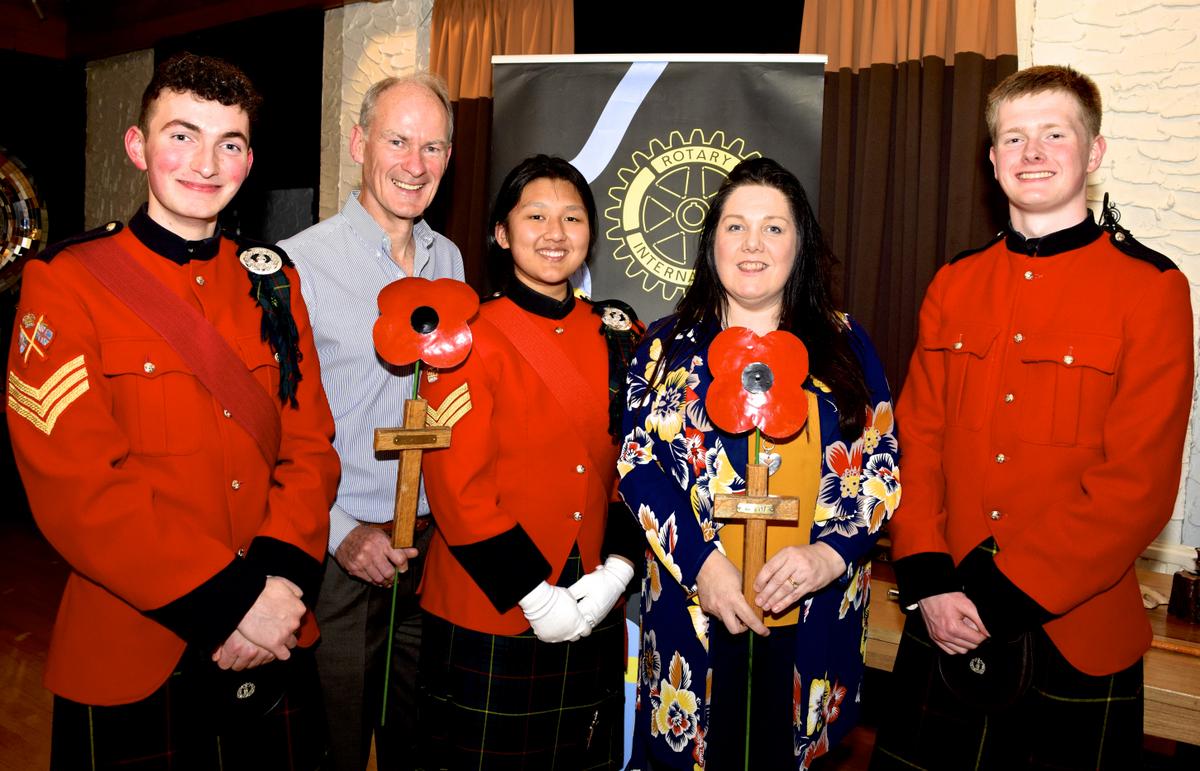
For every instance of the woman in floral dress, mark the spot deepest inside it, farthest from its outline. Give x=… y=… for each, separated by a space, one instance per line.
x=706 y=698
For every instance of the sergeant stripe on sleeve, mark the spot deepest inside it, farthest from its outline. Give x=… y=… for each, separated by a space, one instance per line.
x=43 y=405
x=452 y=409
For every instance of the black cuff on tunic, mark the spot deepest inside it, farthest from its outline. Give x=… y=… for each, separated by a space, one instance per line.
x=506 y=567
x=208 y=614
x=1005 y=608
x=624 y=537
x=273 y=557
x=925 y=574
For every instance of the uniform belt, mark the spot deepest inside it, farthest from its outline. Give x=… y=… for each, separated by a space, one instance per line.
x=419 y=526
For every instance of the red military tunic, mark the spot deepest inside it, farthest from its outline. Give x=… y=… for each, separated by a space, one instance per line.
x=139 y=478
x=1046 y=406
x=515 y=464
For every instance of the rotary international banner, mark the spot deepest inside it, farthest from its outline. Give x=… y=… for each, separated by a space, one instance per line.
x=655 y=137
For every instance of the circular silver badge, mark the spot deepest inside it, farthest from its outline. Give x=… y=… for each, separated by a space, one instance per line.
x=260 y=260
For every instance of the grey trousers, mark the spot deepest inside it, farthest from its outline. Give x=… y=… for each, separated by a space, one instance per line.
x=353 y=617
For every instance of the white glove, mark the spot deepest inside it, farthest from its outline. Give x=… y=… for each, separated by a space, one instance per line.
x=553 y=614
x=598 y=591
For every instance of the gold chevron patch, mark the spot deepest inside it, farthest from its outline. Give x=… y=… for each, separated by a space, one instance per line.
x=43 y=405
x=452 y=409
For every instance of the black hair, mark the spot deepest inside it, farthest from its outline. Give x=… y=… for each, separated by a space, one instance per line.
x=209 y=78
x=541 y=166
x=807 y=308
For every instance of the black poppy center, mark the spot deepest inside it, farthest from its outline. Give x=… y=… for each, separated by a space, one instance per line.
x=757 y=377
x=424 y=319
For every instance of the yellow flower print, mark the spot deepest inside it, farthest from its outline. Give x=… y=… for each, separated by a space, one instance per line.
x=818 y=692
x=666 y=412
x=674 y=716
x=655 y=355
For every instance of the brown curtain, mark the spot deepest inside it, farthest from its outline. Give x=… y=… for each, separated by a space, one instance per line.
x=905 y=180
x=465 y=35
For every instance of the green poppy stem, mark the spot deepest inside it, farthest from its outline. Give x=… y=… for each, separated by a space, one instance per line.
x=387 y=667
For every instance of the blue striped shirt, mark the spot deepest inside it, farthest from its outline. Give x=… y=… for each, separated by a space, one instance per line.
x=343 y=262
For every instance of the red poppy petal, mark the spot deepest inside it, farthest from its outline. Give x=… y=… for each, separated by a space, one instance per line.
x=725 y=405
x=395 y=340
x=785 y=412
x=732 y=350
x=447 y=346
x=401 y=297
x=455 y=302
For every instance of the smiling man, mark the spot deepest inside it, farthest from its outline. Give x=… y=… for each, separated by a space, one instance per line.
x=178 y=457
x=402 y=141
x=1042 y=424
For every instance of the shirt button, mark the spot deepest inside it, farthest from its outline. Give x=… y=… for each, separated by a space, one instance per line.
x=241 y=552
x=958 y=346
x=148 y=368
x=1029 y=275
x=200 y=280
x=1008 y=398
x=235 y=484
x=1001 y=457
x=226 y=413
x=1068 y=360
x=1018 y=337
x=995 y=515
x=577 y=516
x=558 y=330
x=580 y=469
x=276 y=358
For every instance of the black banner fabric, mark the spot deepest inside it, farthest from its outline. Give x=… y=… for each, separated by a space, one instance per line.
x=655 y=137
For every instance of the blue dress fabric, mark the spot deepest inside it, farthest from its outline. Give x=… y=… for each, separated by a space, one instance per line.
x=673 y=461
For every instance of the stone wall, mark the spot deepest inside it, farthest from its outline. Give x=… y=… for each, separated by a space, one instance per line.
x=113 y=187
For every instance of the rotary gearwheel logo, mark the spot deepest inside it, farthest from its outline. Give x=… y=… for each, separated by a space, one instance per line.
x=660 y=208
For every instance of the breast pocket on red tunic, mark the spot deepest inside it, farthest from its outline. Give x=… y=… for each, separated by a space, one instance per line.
x=965 y=349
x=156 y=398
x=262 y=362
x=1069 y=379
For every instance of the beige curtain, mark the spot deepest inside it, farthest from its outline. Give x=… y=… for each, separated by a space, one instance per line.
x=905 y=180
x=859 y=33
x=465 y=35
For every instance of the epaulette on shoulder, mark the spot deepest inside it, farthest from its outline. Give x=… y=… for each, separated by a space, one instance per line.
x=1124 y=241
x=245 y=244
x=617 y=315
x=110 y=229
x=968 y=252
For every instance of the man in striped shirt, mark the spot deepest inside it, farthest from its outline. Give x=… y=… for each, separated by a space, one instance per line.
x=402 y=141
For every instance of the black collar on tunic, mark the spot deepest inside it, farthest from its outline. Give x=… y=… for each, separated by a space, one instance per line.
x=537 y=303
x=1074 y=237
x=165 y=243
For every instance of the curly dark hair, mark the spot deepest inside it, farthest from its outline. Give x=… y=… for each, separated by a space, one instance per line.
x=208 y=77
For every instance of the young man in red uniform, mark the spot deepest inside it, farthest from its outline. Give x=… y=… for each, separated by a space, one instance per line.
x=179 y=459
x=1042 y=426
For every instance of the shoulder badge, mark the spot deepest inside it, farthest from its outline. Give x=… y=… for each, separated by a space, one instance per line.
x=1125 y=242
x=453 y=408
x=271 y=289
x=42 y=404
x=261 y=260
x=34 y=335
x=968 y=252
x=110 y=229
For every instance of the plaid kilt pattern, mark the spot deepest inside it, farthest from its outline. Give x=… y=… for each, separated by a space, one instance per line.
x=515 y=702
x=171 y=730
x=1065 y=720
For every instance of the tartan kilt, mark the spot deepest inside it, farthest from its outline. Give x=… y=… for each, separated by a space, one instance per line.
x=515 y=702
x=172 y=729
x=1065 y=720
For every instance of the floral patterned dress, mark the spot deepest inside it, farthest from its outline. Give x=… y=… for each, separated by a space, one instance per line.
x=673 y=461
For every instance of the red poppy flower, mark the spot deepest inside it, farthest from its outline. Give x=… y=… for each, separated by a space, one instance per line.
x=757 y=382
x=426 y=320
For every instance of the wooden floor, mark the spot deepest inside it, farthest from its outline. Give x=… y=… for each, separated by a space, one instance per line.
x=31 y=580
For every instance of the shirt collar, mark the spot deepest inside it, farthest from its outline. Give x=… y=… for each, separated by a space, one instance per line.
x=163 y=242
x=373 y=234
x=1074 y=237
x=537 y=303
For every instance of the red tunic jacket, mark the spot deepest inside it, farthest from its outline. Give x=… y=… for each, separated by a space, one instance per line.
x=140 y=480
x=1045 y=406
x=515 y=468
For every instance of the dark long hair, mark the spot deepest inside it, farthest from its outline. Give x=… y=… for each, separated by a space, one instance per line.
x=807 y=309
x=541 y=166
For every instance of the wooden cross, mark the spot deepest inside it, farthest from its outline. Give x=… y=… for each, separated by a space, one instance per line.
x=411 y=440
x=756 y=508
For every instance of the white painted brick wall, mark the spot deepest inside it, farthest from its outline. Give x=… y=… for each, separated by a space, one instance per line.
x=364 y=42
x=1145 y=57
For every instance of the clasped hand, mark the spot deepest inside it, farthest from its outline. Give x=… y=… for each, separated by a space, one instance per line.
x=267 y=631
x=561 y=614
